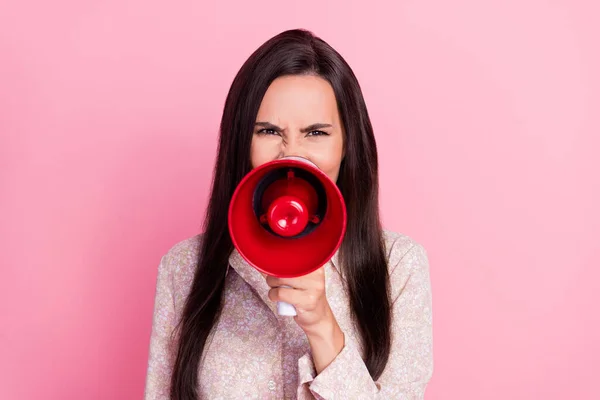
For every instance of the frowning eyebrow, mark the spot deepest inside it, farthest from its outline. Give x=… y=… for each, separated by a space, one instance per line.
x=315 y=127
x=310 y=128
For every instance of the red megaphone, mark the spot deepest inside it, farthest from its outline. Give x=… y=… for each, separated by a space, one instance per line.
x=287 y=218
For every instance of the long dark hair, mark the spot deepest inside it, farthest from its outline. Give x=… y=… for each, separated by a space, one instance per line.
x=362 y=253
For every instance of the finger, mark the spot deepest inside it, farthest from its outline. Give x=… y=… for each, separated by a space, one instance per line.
x=295 y=283
x=305 y=300
x=315 y=278
x=287 y=295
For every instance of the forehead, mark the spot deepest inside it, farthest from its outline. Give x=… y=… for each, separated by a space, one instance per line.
x=301 y=99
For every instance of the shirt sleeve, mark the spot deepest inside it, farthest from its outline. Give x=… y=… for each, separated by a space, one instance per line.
x=160 y=359
x=410 y=365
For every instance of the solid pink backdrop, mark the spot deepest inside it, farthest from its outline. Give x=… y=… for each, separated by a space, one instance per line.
x=487 y=121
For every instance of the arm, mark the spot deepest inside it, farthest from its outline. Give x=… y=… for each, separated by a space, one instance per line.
x=160 y=360
x=410 y=365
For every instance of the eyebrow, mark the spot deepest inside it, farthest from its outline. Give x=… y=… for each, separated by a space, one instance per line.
x=310 y=128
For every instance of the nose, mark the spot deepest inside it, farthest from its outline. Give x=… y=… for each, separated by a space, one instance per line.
x=293 y=148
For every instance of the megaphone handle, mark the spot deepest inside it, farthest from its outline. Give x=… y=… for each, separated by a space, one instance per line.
x=286 y=309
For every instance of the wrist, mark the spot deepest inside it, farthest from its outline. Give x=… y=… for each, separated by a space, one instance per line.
x=327 y=335
x=326 y=342
x=322 y=330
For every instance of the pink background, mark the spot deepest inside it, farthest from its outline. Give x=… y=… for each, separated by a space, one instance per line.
x=487 y=121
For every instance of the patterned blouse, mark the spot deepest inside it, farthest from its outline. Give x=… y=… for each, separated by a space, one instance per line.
x=253 y=353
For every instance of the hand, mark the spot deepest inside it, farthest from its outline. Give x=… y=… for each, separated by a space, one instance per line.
x=307 y=295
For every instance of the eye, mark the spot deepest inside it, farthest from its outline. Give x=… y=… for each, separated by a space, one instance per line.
x=266 y=131
x=318 y=133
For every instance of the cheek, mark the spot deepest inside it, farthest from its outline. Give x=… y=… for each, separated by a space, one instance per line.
x=262 y=151
x=328 y=160
x=332 y=171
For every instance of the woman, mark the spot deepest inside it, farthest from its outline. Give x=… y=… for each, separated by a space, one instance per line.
x=363 y=329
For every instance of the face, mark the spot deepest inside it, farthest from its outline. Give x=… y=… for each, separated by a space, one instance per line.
x=298 y=116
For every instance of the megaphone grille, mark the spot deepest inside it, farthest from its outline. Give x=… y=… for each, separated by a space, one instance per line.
x=282 y=174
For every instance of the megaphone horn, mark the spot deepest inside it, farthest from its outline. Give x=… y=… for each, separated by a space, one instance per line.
x=287 y=219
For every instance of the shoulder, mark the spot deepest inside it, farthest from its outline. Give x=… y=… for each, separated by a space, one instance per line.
x=399 y=247
x=180 y=261
x=183 y=253
x=407 y=259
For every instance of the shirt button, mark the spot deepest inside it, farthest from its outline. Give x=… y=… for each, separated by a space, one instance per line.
x=271 y=385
